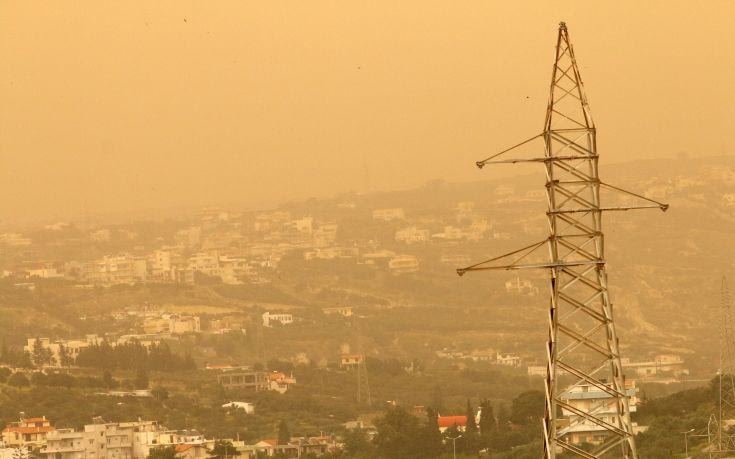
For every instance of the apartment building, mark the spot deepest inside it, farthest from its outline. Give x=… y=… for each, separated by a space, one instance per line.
x=118 y=269
x=590 y=399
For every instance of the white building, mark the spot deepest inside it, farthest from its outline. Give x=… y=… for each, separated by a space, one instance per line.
x=412 y=235
x=174 y=324
x=118 y=269
x=345 y=311
x=43 y=273
x=590 y=399
x=389 y=214
x=283 y=319
x=509 y=360
x=662 y=365
x=403 y=264
x=522 y=287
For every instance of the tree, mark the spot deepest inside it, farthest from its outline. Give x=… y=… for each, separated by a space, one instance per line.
x=399 y=435
x=471 y=443
x=431 y=438
x=41 y=355
x=357 y=444
x=107 y=380
x=527 y=408
x=18 y=379
x=223 y=448
x=437 y=399
x=141 y=379
x=160 y=393
x=487 y=423
x=65 y=359
x=284 y=435
x=4 y=373
x=162 y=452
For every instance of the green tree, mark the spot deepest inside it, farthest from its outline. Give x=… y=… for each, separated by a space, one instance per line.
x=162 y=452
x=284 y=435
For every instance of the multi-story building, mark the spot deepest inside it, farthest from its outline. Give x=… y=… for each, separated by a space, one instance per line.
x=174 y=324
x=585 y=397
x=118 y=269
x=283 y=319
x=121 y=440
x=255 y=381
x=29 y=433
x=160 y=265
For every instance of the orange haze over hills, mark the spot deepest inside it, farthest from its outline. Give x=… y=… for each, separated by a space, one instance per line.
x=118 y=106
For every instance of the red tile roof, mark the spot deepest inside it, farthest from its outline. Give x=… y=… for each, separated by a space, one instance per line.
x=28 y=430
x=449 y=421
x=182 y=448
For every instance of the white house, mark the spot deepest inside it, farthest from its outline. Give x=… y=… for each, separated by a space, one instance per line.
x=284 y=319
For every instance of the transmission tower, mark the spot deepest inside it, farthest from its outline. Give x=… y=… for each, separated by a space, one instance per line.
x=721 y=442
x=582 y=340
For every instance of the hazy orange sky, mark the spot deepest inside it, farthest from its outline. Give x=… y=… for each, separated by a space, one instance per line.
x=139 y=104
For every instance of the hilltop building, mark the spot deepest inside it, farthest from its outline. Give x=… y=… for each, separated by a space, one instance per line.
x=283 y=319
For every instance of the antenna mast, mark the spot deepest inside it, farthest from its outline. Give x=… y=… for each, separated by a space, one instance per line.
x=582 y=340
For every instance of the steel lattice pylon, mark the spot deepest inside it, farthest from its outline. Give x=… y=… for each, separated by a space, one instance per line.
x=722 y=441
x=582 y=341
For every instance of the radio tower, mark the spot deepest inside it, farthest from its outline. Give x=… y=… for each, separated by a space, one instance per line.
x=722 y=443
x=582 y=340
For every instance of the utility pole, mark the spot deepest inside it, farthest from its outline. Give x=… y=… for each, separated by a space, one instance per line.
x=454 y=444
x=686 y=443
x=582 y=339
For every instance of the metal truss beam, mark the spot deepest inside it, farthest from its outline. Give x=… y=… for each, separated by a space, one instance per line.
x=582 y=339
